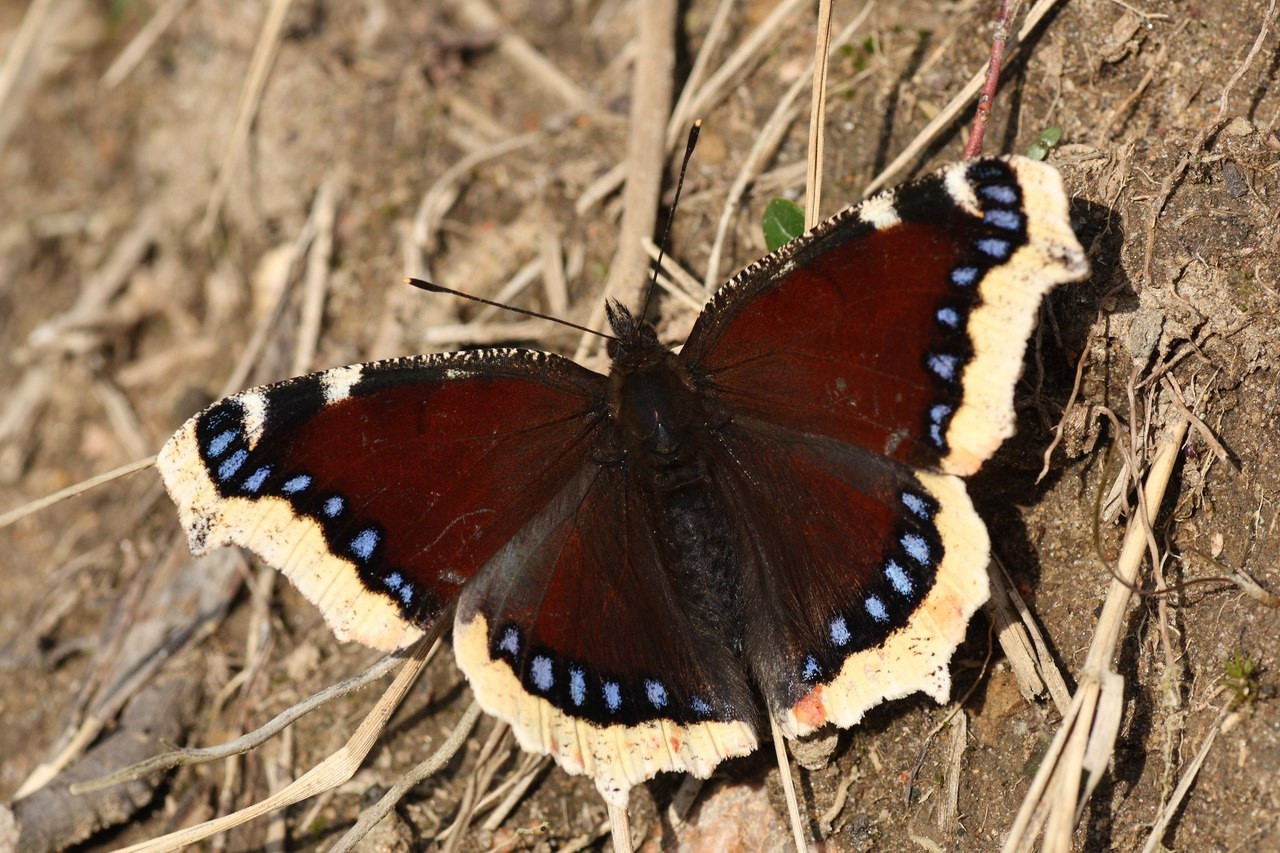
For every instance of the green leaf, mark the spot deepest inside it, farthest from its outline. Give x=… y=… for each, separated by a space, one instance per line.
x=1049 y=139
x=783 y=222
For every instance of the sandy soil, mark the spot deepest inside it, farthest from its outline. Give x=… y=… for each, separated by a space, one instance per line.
x=141 y=266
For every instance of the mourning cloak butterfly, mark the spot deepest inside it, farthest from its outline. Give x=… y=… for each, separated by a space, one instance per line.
x=633 y=560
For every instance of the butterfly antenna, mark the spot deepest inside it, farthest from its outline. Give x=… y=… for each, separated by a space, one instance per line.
x=689 y=145
x=431 y=287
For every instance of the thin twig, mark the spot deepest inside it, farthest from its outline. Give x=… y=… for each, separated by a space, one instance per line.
x=1008 y=11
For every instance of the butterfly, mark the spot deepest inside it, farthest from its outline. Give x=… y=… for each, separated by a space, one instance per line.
x=640 y=565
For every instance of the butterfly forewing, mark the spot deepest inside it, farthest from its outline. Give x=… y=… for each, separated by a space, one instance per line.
x=898 y=325
x=380 y=489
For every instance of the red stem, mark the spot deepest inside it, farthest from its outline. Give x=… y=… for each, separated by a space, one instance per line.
x=974 y=148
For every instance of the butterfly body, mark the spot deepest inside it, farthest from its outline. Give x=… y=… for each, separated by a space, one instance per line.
x=633 y=561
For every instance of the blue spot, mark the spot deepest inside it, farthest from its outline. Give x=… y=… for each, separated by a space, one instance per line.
x=510 y=641
x=876 y=608
x=255 y=480
x=839 y=631
x=999 y=193
x=916 y=504
x=228 y=469
x=994 y=247
x=221 y=442
x=402 y=588
x=1006 y=219
x=899 y=578
x=700 y=706
x=333 y=506
x=939 y=413
x=364 y=543
x=811 y=670
x=612 y=696
x=916 y=548
x=656 y=692
x=296 y=484
x=540 y=669
x=949 y=317
x=577 y=686
x=964 y=276
x=943 y=365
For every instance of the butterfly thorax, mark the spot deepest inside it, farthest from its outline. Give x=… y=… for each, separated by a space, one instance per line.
x=662 y=427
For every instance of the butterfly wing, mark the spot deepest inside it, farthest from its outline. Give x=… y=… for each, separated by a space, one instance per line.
x=880 y=347
x=380 y=489
x=576 y=634
x=864 y=572
x=900 y=324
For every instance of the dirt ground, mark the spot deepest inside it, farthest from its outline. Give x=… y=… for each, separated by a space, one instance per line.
x=145 y=270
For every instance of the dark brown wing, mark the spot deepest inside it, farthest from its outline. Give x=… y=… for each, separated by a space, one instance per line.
x=575 y=635
x=380 y=489
x=898 y=325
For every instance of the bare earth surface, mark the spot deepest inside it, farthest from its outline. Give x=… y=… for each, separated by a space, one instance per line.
x=145 y=270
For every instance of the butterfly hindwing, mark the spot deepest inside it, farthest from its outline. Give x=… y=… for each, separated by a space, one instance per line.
x=899 y=324
x=578 y=634
x=380 y=489
x=864 y=583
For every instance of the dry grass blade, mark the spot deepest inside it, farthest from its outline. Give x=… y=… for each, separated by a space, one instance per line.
x=80 y=488
x=141 y=44
x=768 y=139
x=328 y=774
x=818 y=116
x=264 y=54
x=651 y=94
x=523 y=55
x=788 y=785
x=1184 y=784
x=1087 y=734
x=432 y=765
x=182 y=757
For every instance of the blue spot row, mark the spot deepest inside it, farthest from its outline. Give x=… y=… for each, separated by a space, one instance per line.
x=541 y=677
